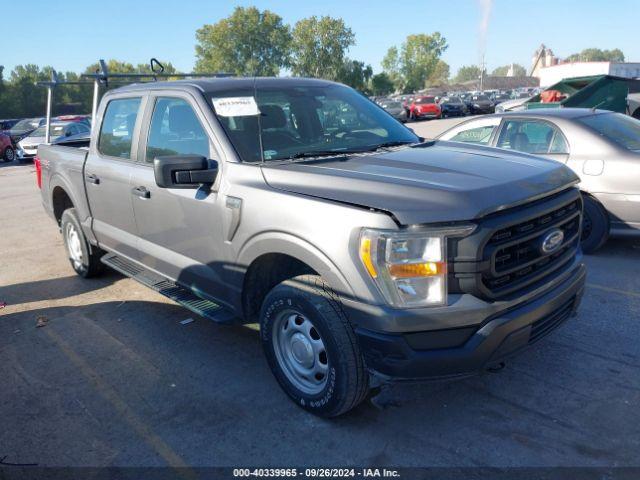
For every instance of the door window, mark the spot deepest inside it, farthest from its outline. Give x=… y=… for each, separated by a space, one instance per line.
x=175 y=130
x=476 y=131
x=116 y=132
x=531 y=136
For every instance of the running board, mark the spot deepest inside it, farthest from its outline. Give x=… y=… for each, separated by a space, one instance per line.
x=170 y=289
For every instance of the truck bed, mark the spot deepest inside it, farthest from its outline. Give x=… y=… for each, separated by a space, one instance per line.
x=63 y=166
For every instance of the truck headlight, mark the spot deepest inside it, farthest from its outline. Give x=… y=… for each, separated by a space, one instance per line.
x=409 y=266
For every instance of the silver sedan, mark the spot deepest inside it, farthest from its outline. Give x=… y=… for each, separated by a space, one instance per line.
x=602 y=147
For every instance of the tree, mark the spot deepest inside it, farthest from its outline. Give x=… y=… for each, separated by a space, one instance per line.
x=415 y=61
x=381 y=84
x=518 y=70
x=466 y=73
x=355 y=74
x=597 y=55
x=439 y=75
x=248 y=42
x=319 y=47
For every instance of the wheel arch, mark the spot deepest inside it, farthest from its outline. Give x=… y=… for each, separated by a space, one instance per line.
x=274 y=257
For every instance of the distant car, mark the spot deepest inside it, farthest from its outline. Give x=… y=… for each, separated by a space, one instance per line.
x=479 y=104
x=395 y=108
x=73 y=118
x=424 y=107
x=497 y=98
x=7 y=124
x=23 y=128
x=452 y=106
x=29 y=144
x=511 y=105
x=602 y=147
x=7 y=151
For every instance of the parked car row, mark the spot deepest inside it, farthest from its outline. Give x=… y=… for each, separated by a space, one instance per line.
x=19 y=139
x=449 y=104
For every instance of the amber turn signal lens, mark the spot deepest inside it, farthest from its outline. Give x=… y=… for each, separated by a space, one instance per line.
x=365 y=256
x=411 y=270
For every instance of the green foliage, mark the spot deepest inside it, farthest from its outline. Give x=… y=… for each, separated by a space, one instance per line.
x=466 y=73
x=355 y=74
x=518 y=70
x=319 y=47
x=248 y=42
x=415 y=61
x=381 y=84
x=597 y=55
x=439 y=75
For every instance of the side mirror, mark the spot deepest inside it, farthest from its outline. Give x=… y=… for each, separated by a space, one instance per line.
x=184 y=171
x=67 y=133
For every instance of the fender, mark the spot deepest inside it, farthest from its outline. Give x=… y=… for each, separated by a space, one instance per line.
x=288 y=244
x=58 y=180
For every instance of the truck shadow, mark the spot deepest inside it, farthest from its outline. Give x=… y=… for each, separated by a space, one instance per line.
x=619 y=247
x=55 y=288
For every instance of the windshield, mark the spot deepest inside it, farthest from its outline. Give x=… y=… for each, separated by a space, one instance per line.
x=619 y=128
x=307 y=120
x=451 y=100
x=392 y=105
x=56 y=131
x=426 y=100
x=26 y=124
x=480 y=98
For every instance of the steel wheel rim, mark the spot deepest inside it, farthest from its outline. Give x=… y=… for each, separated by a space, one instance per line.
x=9 y=155
x=300 y=351
x=74 y=245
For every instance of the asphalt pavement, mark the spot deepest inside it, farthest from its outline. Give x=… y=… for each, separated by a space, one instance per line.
x=112 y=378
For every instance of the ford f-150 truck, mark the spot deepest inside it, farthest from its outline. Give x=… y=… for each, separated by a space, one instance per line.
x=365 y=253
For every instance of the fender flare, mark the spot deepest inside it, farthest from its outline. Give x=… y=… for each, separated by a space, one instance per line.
x=296 y=247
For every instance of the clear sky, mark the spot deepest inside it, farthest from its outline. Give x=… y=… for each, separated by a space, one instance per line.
x=71 y=34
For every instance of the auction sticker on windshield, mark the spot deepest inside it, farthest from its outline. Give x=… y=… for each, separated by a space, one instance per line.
x=236 y=106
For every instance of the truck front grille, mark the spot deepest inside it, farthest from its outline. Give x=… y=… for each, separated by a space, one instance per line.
x=504 y=256
x=515 y=254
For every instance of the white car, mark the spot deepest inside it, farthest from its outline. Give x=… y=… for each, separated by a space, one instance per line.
x=28 y=146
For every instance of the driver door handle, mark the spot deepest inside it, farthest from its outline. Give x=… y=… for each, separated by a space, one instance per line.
x=91 y=178
x=141 y=192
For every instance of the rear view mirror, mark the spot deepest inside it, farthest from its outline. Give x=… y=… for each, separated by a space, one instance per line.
x=184 y=171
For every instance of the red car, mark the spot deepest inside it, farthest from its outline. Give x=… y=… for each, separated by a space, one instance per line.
x=7 y=152
x=424 y=107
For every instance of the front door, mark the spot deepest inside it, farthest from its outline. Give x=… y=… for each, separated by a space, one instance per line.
x=107 y=175
x=179 y=229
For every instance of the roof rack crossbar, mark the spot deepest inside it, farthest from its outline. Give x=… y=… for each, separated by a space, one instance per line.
x=102 y=76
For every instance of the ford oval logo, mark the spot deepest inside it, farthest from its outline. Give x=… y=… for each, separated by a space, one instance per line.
x=552 y=241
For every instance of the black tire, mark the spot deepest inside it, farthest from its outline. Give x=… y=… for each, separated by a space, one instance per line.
x=89 y=265
x=347 y=382
x=595 y=225
x=9 y=154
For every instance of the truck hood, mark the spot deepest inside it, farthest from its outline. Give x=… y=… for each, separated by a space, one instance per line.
x=441 y=182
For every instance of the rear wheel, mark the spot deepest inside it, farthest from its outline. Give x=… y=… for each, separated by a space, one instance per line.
x=311 y=347
x=595 y=225
x=84 y=258
x=9 y=154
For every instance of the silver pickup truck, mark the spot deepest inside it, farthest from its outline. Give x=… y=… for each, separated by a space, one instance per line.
x=365 y=253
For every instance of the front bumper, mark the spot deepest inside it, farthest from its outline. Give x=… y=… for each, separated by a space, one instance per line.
x=466 y=350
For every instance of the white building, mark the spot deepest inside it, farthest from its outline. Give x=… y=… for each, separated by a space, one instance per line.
x=552 y=74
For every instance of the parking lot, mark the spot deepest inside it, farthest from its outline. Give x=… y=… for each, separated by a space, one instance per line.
x=111 y=377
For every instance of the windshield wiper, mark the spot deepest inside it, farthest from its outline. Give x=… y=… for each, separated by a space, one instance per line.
x=319 y=153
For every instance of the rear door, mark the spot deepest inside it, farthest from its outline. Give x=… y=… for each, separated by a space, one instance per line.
x=107 y=175
x=180 y=229
x=534 y=136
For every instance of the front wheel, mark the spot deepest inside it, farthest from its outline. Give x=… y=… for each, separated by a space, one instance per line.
x=9 y=154
x=595 y=225
x=311 y=347
x=84 y=258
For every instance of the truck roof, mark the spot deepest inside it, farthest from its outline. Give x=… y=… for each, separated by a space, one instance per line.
x=212 y=85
